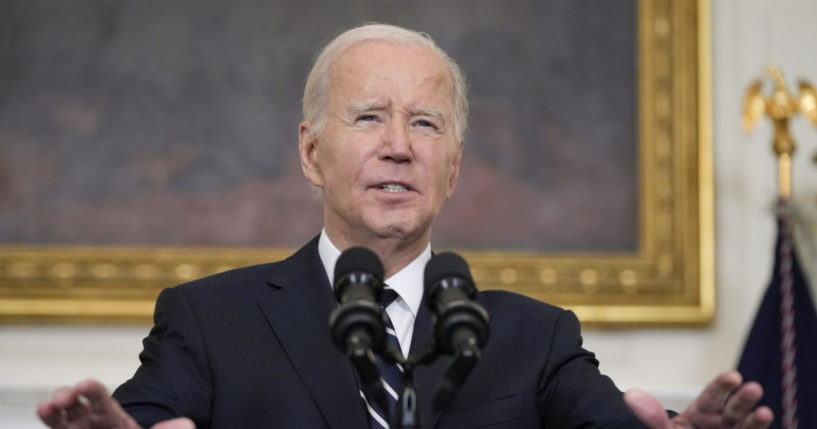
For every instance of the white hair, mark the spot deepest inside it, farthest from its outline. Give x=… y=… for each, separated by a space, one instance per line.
x=316 y=91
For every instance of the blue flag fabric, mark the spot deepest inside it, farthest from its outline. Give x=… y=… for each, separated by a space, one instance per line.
x=762 y=358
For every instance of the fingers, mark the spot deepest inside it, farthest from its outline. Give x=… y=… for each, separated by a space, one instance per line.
x=647 y=409
x=53 y=413
x=760 y=419
x=64 y=397
x=81 y=406
x=739 y=408
x=49 y=414
x=96 y=396
x=741 y=402
x=717 y=392
x=727 y=403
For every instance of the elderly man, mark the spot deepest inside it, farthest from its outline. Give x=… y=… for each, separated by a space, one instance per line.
x=382 y=138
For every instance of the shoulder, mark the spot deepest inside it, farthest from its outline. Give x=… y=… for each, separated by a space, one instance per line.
x=250 y=278
x=514 y=304
x=216 y=293
x=234 y=278
x=526 y=317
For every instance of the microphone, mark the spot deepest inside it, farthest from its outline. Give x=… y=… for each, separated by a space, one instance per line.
x=461 y=325
x=357 y=325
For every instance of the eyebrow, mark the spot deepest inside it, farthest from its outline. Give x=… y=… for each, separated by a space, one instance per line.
x=366 y=106
x=434 y=113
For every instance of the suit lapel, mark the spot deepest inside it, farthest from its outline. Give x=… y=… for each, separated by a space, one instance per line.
x=297 y=307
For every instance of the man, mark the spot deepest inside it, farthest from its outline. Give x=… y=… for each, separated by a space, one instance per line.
x=382 y=138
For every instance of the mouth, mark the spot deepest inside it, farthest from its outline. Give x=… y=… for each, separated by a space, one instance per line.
x=393 y=188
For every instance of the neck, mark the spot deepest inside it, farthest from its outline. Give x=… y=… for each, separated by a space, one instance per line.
x=394 y=253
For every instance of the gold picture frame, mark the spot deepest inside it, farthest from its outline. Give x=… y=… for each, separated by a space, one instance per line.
x=667 y=281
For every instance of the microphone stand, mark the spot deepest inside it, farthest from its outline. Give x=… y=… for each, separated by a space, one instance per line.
x=465 y=358
x=406 y=414
x=360 y=353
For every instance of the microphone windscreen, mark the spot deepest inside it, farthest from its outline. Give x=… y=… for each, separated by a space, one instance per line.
x=446 y=265
x=357 y=259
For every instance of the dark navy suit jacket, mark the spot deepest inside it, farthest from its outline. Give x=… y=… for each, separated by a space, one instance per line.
x=250 y=348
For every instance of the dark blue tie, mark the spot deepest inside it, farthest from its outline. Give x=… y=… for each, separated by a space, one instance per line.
x=390 y=373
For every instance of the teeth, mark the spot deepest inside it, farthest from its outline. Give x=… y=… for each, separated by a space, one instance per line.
x=393 y=187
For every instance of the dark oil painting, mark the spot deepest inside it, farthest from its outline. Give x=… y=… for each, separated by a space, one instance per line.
x=174 y=123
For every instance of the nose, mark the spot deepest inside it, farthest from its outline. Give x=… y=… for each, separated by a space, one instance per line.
x=396 y=143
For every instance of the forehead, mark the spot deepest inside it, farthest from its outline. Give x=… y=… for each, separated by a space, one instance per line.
x=368 y=67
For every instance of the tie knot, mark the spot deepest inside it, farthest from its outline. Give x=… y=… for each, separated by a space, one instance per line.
x=389 y=295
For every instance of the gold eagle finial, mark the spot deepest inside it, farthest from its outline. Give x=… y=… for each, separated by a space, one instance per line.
x=780 y=106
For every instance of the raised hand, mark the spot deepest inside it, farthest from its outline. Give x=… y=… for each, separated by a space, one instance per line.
x=725 y=403
x=88 y=405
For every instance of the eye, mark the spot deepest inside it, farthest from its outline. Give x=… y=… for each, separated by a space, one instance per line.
x=367 y=118
x=426 y=124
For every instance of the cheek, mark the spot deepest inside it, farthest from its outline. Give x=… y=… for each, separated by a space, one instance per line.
x=442 y=181
x=344 y=171
x=330 y=159
x=449 y=169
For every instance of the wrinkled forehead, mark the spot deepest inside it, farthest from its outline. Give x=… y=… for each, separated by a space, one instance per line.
x=362 y=62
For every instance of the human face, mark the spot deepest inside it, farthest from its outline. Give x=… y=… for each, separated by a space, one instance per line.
x=387 y=158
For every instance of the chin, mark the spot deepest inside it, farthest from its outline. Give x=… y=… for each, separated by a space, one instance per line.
x=405 y=226
x=401 y=231
x=393 y=231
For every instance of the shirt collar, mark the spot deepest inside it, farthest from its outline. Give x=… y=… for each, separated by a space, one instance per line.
x=408 y=282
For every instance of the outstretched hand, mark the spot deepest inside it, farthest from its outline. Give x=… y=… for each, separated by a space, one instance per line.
x=725 y=403
x=89 y=406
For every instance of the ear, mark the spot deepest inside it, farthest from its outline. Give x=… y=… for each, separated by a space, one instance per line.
x=307 y=149
x=455 y=169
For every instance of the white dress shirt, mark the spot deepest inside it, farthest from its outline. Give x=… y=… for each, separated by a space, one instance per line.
x=408 y=283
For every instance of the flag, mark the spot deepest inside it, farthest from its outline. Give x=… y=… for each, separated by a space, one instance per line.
x=781 y=350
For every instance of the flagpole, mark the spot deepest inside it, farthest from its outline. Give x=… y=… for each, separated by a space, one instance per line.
x=780 y=107
x=784 y=176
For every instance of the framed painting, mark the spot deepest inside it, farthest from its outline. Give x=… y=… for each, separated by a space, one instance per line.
x=144 y=146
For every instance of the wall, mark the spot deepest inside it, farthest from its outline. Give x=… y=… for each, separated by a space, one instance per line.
x=747 y=36
x=673 y=364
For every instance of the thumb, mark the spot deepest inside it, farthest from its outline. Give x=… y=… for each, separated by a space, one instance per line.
x=180 y=423
x=647 y=409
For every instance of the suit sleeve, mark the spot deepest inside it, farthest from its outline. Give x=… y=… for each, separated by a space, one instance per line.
x=573 y=393
x=173 y=379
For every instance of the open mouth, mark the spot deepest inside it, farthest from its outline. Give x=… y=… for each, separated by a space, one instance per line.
x=393 y=187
